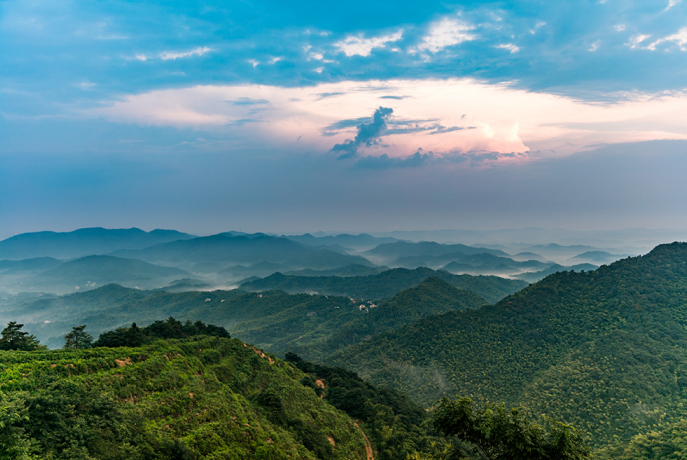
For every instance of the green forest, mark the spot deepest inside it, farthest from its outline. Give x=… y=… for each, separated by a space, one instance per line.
x=602 y=350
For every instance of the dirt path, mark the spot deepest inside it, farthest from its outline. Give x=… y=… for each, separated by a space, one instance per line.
x=368 y=446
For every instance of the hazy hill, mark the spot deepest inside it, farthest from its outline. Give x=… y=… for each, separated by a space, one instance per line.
x=605 y=349
x=385 y=284
x=361 y=241
x=390 y=252
x=491 y=264
x=82 y=242
x=350 y=270
x=243 y=250
x=533 y=277
x=203 y=397
x=94 y=271
x=28 y=265
x=595 y=257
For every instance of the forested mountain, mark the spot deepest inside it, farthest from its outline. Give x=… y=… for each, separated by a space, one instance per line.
x=605 y=350
x=385 y=284
x=204 y=397
x=83 y=242
x=316 y=330
x=232 y=250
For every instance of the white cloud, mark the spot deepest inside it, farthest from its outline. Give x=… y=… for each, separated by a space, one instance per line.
x=363 y=46
x=680 y=38
x=141 y=57
x=619 y=27
x=166 y=55
x=274 y=60
x=254 y=62
x=319 y=69
x=635 y=40
x=671 y=3
x=509 y=46
x=317 y=56
x=447 y=32
x=595 y=46
x=505 y=119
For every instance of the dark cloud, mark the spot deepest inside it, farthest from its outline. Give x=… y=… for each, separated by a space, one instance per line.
x=385 y=162
x=368 y=134
x=321 y=96
x=398 y=98
x=442 y=129
x=248 y=101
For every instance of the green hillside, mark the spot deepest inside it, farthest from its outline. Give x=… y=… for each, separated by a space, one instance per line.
x=206 y=398
x=604 y=350
x=385 y=284
x=316 y=330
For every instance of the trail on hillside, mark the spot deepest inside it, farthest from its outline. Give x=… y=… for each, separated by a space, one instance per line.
x=368 y=446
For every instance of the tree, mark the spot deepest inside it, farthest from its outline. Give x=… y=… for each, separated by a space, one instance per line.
x=499 y=433
x=13 y=338
x=78 y=338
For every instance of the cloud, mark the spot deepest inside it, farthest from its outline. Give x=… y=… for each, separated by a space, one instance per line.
x=635 y=40
x=386 y=162
x=680 y=38
x=398 y=98
x=166 y=55
x=447 y=32
x=619 y=27
x=363 y=46
x=595 y=46
x=248 y=101
x=368 y=134
x=671 y=3
x=509 y=46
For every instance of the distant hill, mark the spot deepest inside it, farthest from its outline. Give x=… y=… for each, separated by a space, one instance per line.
x=391 y=252
x=595 y=257
x=28 y=265
x=604 y=349
x=244 y=250
x=350 y=270
x=533 y=277
x=491 y=264
x=91 y=271
x=385 y=284
x=82 y=242
x=361 y=241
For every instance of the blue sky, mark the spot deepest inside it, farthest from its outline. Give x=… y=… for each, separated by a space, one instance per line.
x=352 y=116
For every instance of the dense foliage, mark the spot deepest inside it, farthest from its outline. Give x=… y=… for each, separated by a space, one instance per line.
x=393 y=422
x=13 y=338
x=605 y=351
x=204 y=397
x=329 y=333
x=171 y=328
x=385 y=284
x=499 y=433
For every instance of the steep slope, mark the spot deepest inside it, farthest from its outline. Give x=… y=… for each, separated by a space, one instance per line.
x=385 y=284
x=82 y=242
x=243 y=250
x=204 y=398
x=605 y=350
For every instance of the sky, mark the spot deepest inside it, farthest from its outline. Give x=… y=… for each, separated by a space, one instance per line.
x=342 y=116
